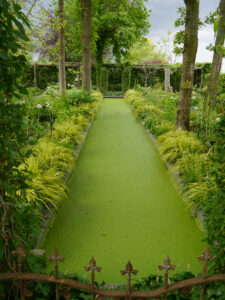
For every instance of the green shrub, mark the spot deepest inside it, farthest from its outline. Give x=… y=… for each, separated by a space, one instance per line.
x=132 y=95
x=174 y=144
x=76 y=96
x=126 y=79
x=103 y=80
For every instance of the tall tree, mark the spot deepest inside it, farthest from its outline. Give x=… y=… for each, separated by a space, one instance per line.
x=218 y=54
x=120 y=24
x=62 y=69
x=86 y=43
x=189 y=55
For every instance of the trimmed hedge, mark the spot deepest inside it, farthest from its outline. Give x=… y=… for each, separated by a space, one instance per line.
x=103 y=80
x=145 y=76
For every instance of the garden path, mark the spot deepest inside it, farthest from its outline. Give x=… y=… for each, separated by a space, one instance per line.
x=123 y=204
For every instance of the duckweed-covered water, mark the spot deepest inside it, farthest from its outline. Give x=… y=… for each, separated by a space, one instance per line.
x=123 y=205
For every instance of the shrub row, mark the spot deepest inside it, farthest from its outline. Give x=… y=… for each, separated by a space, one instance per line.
x=202 y=174
x=53 y=154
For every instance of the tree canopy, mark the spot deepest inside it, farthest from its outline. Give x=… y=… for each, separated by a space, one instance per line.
x=116 y=25
x=145 y=51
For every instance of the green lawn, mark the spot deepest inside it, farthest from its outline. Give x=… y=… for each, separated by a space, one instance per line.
x=123 y=205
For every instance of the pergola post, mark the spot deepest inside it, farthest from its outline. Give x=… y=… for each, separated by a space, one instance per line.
x=35 y=75
x=167 y=80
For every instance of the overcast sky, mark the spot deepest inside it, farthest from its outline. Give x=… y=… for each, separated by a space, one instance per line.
x=163 y=15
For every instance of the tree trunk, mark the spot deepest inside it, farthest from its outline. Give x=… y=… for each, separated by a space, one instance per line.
x=217 y=56
x=187 y=75
x=62 y=70
x=86 y=43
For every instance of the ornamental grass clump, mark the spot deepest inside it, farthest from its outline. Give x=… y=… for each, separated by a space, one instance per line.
x=174 y=144
x=145 y=110
x=68 y=133
x=46 y=186
x=193 y=167
x=197 y=193
x=163 y=127
x=50 y=155
x=80 y=120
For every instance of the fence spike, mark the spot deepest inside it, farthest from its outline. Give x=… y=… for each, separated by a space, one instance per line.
x=92 y=267
x=205 y=257
x=166 y=266
x=129 y=271
x=20 y=253
x=55 y=258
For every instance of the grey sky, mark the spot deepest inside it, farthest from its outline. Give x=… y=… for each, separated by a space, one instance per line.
x=163 y=15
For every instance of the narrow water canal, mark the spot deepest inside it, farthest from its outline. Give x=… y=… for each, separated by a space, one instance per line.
x=123 y=205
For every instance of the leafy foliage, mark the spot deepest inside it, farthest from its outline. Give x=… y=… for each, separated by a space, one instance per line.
x=126 y=78
x=12 y=134
x=144 y=50
x=103 y=80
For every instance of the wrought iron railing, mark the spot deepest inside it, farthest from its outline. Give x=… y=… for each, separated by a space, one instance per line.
x=184 y=287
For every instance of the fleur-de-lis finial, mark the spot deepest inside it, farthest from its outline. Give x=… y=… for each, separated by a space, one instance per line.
x=55 y=258
x=20 y=253
x=206 y=257
x=93 y=268
x=129 y=271
x=166 y=266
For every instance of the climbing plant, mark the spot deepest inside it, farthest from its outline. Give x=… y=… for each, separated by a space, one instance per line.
x=103 y=86
x=126 y=79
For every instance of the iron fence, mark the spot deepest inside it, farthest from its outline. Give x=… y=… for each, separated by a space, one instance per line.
x=184 y=287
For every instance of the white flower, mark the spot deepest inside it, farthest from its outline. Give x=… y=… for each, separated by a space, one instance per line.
x=39 y=105
x=76 y=79
x=217 y=119
x=195 y=107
